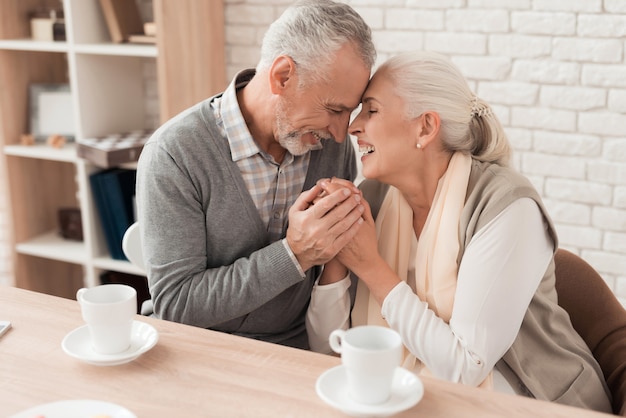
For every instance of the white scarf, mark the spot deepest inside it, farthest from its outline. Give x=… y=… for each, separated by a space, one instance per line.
x=436 y=265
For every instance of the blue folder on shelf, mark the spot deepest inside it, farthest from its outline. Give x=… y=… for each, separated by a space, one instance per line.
x=113 y=192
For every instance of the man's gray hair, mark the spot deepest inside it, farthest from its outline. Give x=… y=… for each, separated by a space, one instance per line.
x=310 y=31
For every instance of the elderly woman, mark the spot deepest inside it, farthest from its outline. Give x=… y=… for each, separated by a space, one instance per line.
x=457 y=249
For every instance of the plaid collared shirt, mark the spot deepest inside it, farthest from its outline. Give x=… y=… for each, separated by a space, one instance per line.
x=273 y=187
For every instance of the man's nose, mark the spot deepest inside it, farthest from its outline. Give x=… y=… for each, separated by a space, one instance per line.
x=339 y=127
x=355 y=126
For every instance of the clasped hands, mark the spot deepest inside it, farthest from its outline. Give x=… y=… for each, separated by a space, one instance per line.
x=324 y=220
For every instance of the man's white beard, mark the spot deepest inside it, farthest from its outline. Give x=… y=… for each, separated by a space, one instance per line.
x=293 y=143
x=291 y=140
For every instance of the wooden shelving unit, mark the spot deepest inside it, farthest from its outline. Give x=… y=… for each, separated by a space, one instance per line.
x=107 y=90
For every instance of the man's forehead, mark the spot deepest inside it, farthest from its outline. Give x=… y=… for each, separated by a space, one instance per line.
x=346 y=94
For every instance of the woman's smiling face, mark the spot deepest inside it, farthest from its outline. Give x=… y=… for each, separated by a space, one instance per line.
x=386 y=137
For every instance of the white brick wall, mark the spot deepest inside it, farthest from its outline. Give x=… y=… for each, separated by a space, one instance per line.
x=555 y=73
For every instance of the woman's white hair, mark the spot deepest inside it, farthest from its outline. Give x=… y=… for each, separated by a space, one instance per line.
x=310 y=31
x=429 y=81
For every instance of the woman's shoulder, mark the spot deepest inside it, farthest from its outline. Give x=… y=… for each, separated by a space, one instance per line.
x=490 y=177
x=491 y=189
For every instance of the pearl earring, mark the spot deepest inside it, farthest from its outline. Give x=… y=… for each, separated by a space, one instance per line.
x=419 y=146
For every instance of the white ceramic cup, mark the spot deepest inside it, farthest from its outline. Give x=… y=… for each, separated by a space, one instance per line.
x=370 y=355
x=109 y=311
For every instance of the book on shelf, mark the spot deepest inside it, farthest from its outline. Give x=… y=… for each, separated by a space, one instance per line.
x=112 y=150
x=122 y=18
x=113 y=192
x=142 y=39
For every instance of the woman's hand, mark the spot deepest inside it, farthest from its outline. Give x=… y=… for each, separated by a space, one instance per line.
x=316 y=232
x=331 y=185
x=357 y=254
x=361 y=256
x=333 y=272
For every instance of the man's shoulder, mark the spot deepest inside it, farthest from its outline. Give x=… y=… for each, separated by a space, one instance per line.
x=193 y=123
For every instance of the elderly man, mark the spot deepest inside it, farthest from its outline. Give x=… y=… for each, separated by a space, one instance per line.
x=225 y=190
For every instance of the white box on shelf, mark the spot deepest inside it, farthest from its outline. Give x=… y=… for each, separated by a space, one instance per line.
x=41 y=29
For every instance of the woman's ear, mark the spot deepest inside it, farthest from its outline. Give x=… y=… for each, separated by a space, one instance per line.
x=281 y=73
x=428 y=128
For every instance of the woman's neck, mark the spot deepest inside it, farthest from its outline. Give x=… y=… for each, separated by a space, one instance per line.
x=419 y=189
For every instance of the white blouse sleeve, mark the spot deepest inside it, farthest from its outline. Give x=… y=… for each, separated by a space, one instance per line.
x=329 y=310
x=500 y=271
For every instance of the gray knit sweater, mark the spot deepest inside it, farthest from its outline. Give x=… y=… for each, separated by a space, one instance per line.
x=209 y=259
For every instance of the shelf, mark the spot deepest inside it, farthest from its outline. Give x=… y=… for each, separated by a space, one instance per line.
x=114 y=88
x=130 y=50
x=107 y=263
x=50 y=245
x=30 y=45
x=44 y=152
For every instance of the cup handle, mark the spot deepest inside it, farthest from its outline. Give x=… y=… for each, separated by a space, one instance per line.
x=335 y=339
x=80 y=293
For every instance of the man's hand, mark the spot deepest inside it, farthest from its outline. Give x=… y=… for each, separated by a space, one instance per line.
x=319 y=228
x=334 y=184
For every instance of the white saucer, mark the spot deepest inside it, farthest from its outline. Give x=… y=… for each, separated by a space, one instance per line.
x=407 y=391
x=76 y=409
x=78 y=344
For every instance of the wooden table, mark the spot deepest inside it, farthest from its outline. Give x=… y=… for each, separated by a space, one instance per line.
x=193 y=372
